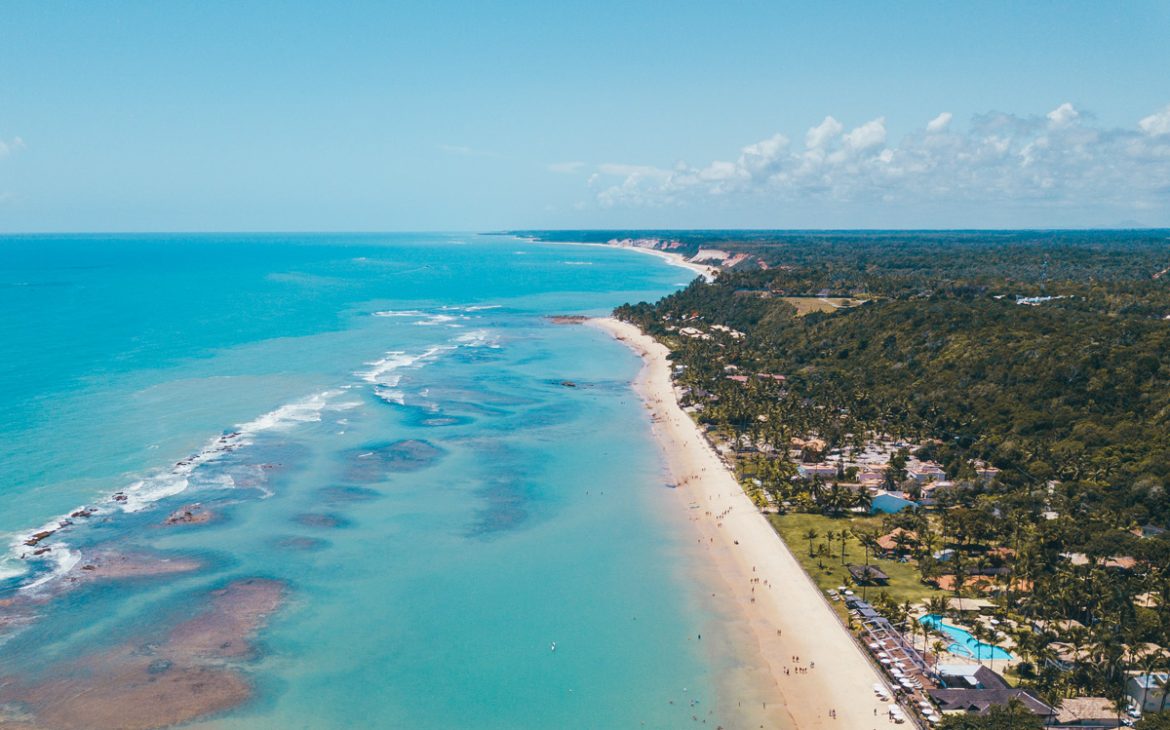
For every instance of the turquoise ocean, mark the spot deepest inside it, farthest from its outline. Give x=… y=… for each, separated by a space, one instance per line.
x=447 y=485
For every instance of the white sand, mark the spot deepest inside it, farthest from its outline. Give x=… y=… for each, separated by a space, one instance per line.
x=781 y=616
x=672 y=258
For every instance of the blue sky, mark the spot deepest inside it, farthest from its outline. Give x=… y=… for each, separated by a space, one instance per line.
x=433 y=115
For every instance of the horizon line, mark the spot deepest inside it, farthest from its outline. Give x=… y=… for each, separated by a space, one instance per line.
x=514 y=231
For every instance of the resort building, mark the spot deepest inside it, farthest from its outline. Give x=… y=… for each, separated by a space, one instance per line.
x=980 y=701
x=867 y=574
x=824 y=471
x=1098 y=713
x=986 y=473
x=969 y=676
x=926 y=471
x=1148 y=691
x=899 y=540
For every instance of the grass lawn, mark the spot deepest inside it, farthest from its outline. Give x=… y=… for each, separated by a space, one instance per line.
x=804 y=305
x=828 y=571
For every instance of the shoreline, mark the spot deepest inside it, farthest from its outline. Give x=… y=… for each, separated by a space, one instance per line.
x=674 y=259
x=801 y=661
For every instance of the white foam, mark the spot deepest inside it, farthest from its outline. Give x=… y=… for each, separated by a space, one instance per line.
x=145 y=492
x=435 y=319
x=400 y=313
x=469 y=307
x=65 y=560
x=479 y=338
x=381 y=371
x=307 y=410
x=391 y=396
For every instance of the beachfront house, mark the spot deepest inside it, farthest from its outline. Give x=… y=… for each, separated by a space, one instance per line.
x=980 y=701
x=969 y=676
x=1148 y=691
x=1147 y=531
x=1082 y=713
x=867 y=575
x=986 y=473
x=897 y=541
x=926 y=471
x=1065 y=657
x=970 y=605
x=824 y=471
x=1058 y=627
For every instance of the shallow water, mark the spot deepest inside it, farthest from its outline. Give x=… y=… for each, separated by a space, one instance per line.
x=380 y=426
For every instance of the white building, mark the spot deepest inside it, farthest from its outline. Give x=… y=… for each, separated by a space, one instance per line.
x=1148 y=691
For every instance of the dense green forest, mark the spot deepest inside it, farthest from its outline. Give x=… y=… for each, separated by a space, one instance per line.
x=1074 y=390
x=1046 y=355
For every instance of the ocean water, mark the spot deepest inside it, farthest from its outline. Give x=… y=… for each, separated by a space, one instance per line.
x=444 y=485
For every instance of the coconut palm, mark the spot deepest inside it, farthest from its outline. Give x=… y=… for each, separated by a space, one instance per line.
x=810 y=534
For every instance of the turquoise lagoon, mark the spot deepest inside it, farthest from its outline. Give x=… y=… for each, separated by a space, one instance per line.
x=446 y=483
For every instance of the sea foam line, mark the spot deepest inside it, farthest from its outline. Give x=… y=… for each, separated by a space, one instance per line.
x=45 y=541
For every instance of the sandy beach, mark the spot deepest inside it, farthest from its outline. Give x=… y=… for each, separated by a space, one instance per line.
x=670 y=257
x=802 y=665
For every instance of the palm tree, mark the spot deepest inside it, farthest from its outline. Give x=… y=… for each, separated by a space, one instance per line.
x=937 y=605
x=937 y=647
x=864 y=500
x=836 y=500
x=868 y=540
x=980 y=632
x=810 y=534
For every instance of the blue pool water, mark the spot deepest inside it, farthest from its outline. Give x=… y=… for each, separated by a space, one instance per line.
x=380 y=426
x=964 y=644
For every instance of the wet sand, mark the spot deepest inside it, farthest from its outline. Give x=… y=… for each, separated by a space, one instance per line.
x=799 y=662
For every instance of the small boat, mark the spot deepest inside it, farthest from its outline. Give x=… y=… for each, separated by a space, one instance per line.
x=553 y=646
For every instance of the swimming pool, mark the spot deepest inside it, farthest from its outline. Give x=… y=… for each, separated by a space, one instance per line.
x=964 y=644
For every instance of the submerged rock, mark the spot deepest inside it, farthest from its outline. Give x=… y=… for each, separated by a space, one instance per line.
x=300 y=543
x=192 y=514
x=319 y=519
x=345 y=495
x=154 y=684
x=374 y=463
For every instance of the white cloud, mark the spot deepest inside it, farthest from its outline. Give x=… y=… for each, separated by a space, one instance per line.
x=13 y=145
x=867 y=135
x=614 y=168
x=1058 y=160
x=1157 y=123
x=823 y=133
x=939 y=123
x=718 y=170
x=566 y=168
x=1063 y=114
